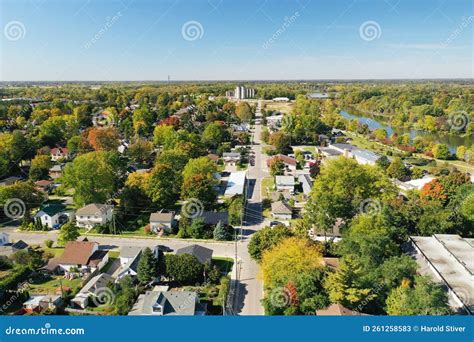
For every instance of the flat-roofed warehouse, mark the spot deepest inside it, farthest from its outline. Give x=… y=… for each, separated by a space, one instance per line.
x=449 y=258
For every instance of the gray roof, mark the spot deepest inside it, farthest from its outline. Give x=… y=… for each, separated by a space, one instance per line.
x=129 y=251
x=93 y=209
x=281 y=207
x=97 y=282
x=330 y=151
x=306 y=183
x=451 y=257
x=213 y=217
x=203 y=254
x=172 y=303
x=162 y=217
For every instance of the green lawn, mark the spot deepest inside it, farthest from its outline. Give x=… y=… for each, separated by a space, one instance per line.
x=55 y=251
x=48 y=285
x=267 y=184
x=224 y=264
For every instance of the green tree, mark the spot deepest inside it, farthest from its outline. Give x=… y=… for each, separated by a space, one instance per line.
x=184 y=269
x=244 y=112
x=223 y=232
x=68 y=232
x=423 y=298
x=342 y=189
x=125 y=296
x=94 y=176
x=397 y=169
x=40 y=166
x=277 y=167
x=267 y=238
x=147 y=267
x=199 y=181
x=441 y=151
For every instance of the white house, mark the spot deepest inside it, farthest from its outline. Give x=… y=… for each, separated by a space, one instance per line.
x=161 y=221
x=285 y=183
x=129 y=259
x=91 y=289
x=94 y=214
x=52 y=216
x=84 y=256
x=281 y=211
x=231 y=158
x=59 y=153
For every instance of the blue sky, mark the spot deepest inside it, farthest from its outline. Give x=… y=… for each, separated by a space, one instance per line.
x=259 y=39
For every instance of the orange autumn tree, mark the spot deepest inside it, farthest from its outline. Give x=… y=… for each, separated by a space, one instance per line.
x=433 y=191
x=103 y=139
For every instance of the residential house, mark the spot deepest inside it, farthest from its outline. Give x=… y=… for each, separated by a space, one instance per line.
x=10 y=248
x=213 y=217
x=338 y=310
x=92 y=288
x=44 y=185
x=236 y=184
x=274 y=121
x=162 y=222
x=203 y=254
x=363 y=157
x=334 y=234
x=280 y=99
x=56 y=171
x=59 y=153
x=281 y=210
x=328 y=153
x=9 y=181
x=169 y=303
x=231 y=158
x=94 y=214
x=129 y=259
x=52 y=215
x=85 y=256
x=289 y=162
x=213 y=157
x=285 y=183
x=306 y=183
x=42 y=302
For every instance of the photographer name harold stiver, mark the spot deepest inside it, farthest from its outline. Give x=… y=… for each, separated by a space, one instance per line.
x=442 y=328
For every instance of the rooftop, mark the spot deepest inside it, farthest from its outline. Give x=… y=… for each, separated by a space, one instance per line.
x=451 y=256
x=203 y=254
x=93 y=209
x=235 y=183
x=170 y=303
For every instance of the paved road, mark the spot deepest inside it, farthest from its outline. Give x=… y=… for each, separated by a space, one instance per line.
x=249 y=291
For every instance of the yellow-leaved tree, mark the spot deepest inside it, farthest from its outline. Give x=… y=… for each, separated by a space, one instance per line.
x=291 y=257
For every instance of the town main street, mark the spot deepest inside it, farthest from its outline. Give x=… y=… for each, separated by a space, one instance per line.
x=248 y=291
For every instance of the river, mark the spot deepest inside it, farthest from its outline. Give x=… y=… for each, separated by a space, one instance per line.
x=452 y=141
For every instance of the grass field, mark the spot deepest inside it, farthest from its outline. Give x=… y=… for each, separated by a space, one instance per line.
x=49 y=285
x=283 y=107
x=268 y=184
x=224 y=264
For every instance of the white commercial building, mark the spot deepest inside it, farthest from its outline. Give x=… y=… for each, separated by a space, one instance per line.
x=448 y=258
x=236 y=184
